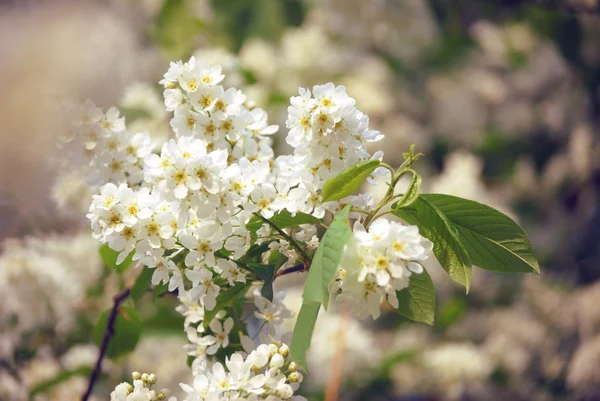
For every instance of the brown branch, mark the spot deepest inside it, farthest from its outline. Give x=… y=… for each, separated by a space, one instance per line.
x=291 y=269
x=108 y=333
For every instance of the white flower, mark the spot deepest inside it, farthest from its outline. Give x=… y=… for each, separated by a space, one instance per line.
x=221 y=334
x=378 y=262
x=203 y=287
x=262 y=200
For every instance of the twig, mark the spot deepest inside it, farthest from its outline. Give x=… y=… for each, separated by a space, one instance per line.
x=6 y=365
x=108 y=333
x=291 y=269
x=289 y=238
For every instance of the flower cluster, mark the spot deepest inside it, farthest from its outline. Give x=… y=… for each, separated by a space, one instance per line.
x=106 y=151
x=204 y=343
x=267 y=373
x=378 y=262
x=203 y=108
x=141 y=390
x=328 y=134
x=200 y=204
x=195 y=198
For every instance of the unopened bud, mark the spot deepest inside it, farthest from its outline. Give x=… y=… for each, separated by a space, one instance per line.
x=277 y=361
x=136 y=375
x=151 y=378
x=295 y=377
x=293 y=367
x=284 y=350
x=145 y=377
x=161 y=396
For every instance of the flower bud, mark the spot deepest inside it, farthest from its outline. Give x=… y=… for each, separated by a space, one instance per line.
x=284 y=350
x=295 y=377
x=136 y=375
x=151 y=378
x=277 y=361
x=145 y=377
x=293 y=367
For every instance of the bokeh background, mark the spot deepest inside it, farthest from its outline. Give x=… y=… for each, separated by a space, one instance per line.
x=503 y=98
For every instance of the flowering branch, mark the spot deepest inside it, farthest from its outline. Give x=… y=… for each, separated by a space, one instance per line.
x=108 y=333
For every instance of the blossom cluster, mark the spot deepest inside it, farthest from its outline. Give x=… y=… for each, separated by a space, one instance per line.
x=195 y=198
x=204 y=109
x=141 y=390
x=267 y=373
x=377 y=262
x=106 y=152
x=204 y=344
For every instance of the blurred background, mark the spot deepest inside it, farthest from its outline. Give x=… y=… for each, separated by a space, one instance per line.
x=503 y=98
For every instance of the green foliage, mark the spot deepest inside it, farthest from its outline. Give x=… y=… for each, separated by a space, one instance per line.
x=175 y=29
x=225 y=299
x=411 y=194
x=283 y=219
x=109 y=258
x=465 y=232
x=303 y=331
x=493 y=240
x=61 y=377
x=267 y=274
x=126 y=328
x=243 y=19
x=447 y=246
x=327 y=258
x=142 y=283
x=450 y=312
x=348 y=181
x=417 y=301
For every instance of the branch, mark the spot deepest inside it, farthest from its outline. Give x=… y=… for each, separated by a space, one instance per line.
x=287 y=237
x=108 y=333
x=291 y=269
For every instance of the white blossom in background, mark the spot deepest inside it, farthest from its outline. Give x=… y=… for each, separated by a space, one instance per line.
x=52 y=273
x=378 y=262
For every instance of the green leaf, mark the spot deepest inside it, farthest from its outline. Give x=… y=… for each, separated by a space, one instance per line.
x=61 y=377
x=447 y=245
x=225 y=299
x=127 y=329
x=142 y=283
x=348 y=181
x=109 y=257
x=417 y=301
x=492 y=239
x=160 y=289
x=303 y=331
x=411 y=194
x=327 y=258
x=283 y=219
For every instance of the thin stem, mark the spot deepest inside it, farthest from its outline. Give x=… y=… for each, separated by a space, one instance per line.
x=108 y=333
x=291 y=240
x=259 y=330
x=238 y=322
x=390 y=168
